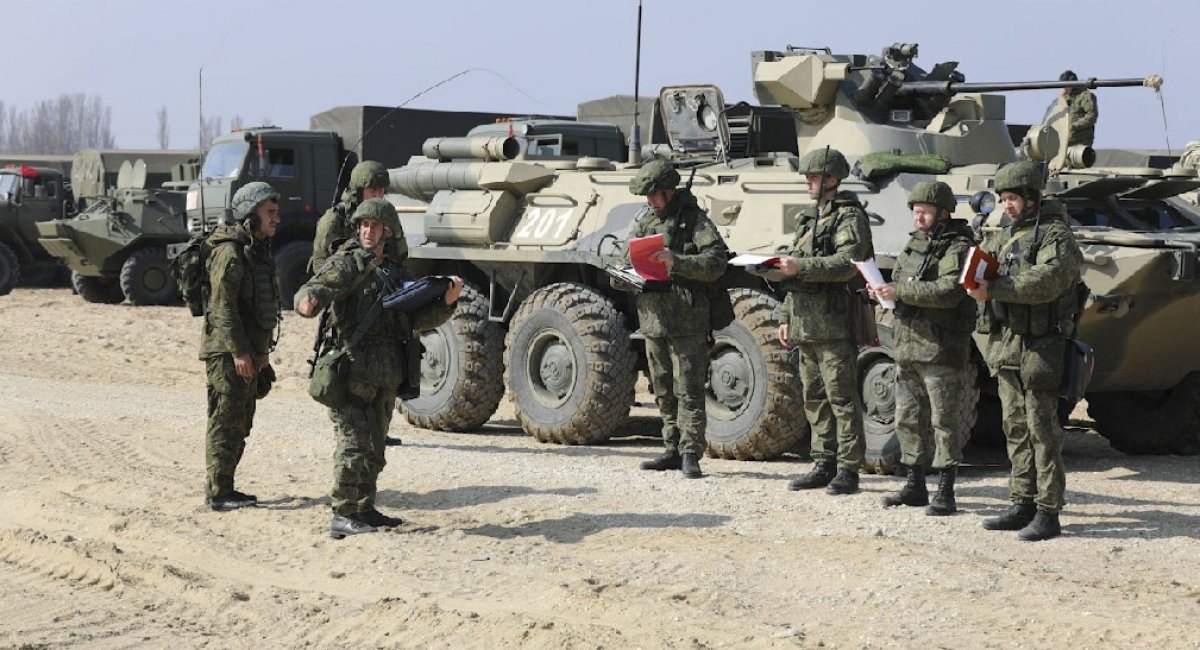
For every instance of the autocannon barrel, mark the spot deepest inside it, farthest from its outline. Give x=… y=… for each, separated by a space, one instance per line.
x=952 y=87
x=423 y=180
x=480 y=148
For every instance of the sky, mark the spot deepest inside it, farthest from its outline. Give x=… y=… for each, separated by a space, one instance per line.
x=284 y=60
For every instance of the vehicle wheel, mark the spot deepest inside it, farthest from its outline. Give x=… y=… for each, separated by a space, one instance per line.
x=39 y=276
x=462 y=369
x=10 y=269
x=989 y=426
x=105 y=291
x=569 y=365
x=1151 y=422
x=754 y=403
x=291 y=263
x=877 y=374
x=146 y=278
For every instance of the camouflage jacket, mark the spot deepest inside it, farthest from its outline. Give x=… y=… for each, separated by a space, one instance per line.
x=699 y=259
x=1081 y=115
x=243 y=302
x=350 y=283
x=1033 y=300
x=817 y=307
x=934 y=314
x=333 y=228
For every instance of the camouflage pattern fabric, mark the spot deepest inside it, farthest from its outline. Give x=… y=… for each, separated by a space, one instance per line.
x=828 y=372
x=1081 y=116
x=678 y=371
x=1035 y=441
x=243 y=303
x=934 y=315
x=928 y=399
x=332 y=228
x=231 y=405
x=361 y=426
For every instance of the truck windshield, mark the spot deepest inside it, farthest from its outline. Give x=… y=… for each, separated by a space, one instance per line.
x=8 y=184
x=224 y=160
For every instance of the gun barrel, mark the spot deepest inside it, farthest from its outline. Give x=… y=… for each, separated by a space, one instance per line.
x=952 y=88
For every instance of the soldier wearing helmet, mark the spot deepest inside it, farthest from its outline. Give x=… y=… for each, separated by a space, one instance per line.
x=352 y=284
x=368 y=180
x=1082 y=112
x=931 y=343
x=239 y=324
x=1030 y=313
x=816 y=315
x=676 y=322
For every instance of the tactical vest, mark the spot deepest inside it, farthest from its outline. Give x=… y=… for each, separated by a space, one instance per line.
x=1016 y=255
x=920 y=262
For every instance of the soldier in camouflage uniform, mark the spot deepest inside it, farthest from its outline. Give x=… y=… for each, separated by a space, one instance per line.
x=240 y=318
x=351 y=283
x=1081 y=112
x=816 y=316
x=368 y=180
x=931 y=346
x=1029 y=313
x=675 y=322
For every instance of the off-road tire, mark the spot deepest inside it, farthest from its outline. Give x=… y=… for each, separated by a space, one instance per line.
x=568 y=365
x=291 y=264
x=40 y=276
x=754 y=403
x=146 y=278
x=10 y=270
x=1145 y=422
x=462 y=370
x=100 y=290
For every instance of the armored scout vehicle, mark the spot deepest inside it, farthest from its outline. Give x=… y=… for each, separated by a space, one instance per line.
x=532 y=233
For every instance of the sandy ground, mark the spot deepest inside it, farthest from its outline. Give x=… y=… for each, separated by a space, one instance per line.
x=105 y=542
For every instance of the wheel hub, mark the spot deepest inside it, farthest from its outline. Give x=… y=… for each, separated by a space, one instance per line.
x=434 y=361
x=729 y=379
x=879 y=392
x=155 y=279
x=552 y=368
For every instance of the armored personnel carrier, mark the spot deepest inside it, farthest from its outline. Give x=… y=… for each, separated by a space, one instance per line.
x=532 y=229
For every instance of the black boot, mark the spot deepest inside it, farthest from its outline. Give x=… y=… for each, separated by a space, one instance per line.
x=342 y=526
x=373 y=517
x=691 y=466
x=819 y=476
x=914 y=492
x=846 y=482
x=231 y=501
x=1018 y=515
x=943 y=502
x=668 y=460
x=1044 y=526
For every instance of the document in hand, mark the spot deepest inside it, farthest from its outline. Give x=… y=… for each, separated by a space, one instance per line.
x=978 y=266
x=640 y=251
x=755 y=262
x=870 y=272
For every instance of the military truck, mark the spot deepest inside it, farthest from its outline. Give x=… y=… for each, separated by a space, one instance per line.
x=533 y=237
x=29 y=195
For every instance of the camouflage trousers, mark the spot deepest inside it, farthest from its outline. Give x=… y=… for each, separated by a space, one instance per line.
x=231 y=407
x=678 y=372
x=828 y=370
x=929 y=399
x=361 y=426
x=1035 y=441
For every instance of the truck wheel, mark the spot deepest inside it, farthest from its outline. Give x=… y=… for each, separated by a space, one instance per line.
x=146 y=278
x=755 y=409
x=291 y=263
x=1151 y=422
x=462 y=370
x=569 y=365
x=105 y=291
x=39 y=276
x=10 y=270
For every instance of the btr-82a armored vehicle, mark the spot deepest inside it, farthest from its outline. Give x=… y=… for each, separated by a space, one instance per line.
x=533 y=232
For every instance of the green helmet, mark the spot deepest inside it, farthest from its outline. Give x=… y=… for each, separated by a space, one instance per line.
x=933 y=192
x=656 y=174
x=368 y=173
x=380 y=210
x=816 y=162
x=247 y=198
x=1022 y=176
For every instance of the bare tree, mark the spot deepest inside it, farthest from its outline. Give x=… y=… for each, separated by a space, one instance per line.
x=59 y=126
x=210 y=128
x=164 y=129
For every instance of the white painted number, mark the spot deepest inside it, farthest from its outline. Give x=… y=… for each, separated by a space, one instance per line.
x=539 y=221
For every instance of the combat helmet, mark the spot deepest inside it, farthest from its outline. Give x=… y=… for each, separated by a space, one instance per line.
x=933 y=192
x=248 y=196
x=368 y=173
x=656 y=174
x=818 y=161
x=1021 y=178
x=380 y=210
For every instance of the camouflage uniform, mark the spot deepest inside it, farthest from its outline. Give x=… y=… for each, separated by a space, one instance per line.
x=350 y=283
x=333 y=228
x=241 y=316
x=1081 y=113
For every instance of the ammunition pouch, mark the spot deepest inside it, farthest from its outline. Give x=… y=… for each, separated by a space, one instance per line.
x=330 y=377
x=413 y=352
x=1042 y=363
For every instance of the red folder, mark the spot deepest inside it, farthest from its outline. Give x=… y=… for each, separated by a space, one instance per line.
x=978 y=266
x=640 y=250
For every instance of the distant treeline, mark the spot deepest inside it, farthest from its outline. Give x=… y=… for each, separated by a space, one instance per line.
x=57 y=126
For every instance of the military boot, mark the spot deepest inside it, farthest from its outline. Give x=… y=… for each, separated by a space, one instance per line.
x=231 y=501
x=943 y=502
x=668 y=460
x=691 y=466
x=1018 y=515
x=373 y=517
x=342 y=526
x=914 y=492
x=846 y=482
x=819 y=476
x=1044 y=526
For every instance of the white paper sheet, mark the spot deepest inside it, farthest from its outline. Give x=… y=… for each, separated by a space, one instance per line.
x=870 y=272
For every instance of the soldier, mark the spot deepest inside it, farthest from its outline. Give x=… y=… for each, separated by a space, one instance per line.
x=239 y=323
x=816 y=316
x=368 y=180
x=1081 y=112
x=676 y=322
x=352 y=283
x=932 y=345
x=1030 y=316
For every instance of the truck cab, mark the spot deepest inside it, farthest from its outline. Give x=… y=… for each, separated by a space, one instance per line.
x=28 y=195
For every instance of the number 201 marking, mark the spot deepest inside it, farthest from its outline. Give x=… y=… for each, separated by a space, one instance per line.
x=539 y=221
